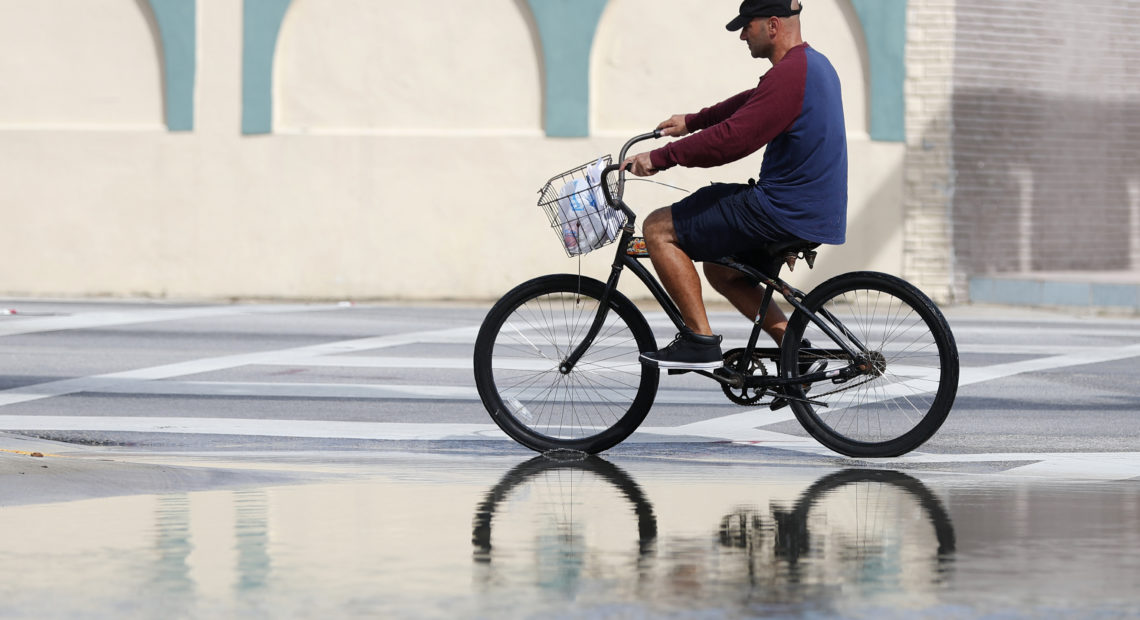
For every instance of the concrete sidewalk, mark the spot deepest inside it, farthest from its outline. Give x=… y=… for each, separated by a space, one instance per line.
x=1116 y=291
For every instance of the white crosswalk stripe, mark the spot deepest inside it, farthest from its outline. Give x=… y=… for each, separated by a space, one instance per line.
x=741 y=427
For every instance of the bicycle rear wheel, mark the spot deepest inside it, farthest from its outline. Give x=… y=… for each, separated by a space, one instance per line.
x=519 y=352
x=908 y=352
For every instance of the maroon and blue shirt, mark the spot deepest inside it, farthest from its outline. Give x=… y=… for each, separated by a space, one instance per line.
x=797 y=111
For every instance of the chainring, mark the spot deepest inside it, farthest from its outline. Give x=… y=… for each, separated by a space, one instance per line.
x=745 y=395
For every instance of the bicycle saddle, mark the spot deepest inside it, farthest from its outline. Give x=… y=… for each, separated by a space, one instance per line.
x=771 y=257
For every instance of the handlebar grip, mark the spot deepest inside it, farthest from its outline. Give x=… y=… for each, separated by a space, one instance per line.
x=606 y=182
x=656 y=133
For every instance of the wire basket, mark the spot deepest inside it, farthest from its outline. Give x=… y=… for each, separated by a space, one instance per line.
x=577 y=208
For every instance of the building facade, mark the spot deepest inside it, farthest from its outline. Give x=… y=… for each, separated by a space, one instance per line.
x=388 y=150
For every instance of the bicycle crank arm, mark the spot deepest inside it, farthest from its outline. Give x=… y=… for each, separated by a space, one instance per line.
x=732 y=378
x=732 y=381
x=736 y=379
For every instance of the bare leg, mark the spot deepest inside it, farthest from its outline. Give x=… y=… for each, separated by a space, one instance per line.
x=747 y=298
x=676 y=269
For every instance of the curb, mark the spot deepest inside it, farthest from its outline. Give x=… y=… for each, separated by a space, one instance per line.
x=1096 y=292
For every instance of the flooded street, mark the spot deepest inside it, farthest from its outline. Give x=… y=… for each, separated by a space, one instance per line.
x=469 y=535
x=276 y=461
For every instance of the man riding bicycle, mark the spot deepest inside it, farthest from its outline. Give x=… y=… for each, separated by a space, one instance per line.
x=797 y=112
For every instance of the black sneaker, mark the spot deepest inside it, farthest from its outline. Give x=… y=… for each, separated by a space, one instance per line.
x=688 y=351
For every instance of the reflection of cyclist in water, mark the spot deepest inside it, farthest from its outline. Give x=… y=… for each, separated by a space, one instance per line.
x=790 y=537
x=819 y=544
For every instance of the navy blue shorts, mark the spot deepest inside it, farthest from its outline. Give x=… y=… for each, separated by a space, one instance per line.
x=721 y=220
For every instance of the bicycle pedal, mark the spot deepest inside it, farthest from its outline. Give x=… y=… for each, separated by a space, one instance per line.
x=678 y=371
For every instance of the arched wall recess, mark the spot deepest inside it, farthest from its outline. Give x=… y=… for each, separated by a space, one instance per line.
x=177 y=27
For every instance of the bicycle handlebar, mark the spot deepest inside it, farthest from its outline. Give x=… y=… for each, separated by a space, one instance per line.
x=619 y=203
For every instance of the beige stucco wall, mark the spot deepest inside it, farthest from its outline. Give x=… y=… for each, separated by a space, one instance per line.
x=78 y=64
x=406 y=157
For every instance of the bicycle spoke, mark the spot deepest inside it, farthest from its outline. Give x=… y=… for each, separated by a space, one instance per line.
x=907 y=375
x=532 y=344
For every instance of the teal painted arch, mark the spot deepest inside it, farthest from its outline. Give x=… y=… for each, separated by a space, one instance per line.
x=261 y=25
x=566 y=30
x=177 y=29
x=884 y=30
x=177 y=26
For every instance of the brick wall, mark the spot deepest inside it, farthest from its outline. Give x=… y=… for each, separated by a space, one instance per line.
x=1045 y=117
x=928 y=257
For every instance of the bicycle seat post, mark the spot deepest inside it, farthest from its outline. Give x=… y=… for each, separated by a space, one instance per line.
x=758 y=322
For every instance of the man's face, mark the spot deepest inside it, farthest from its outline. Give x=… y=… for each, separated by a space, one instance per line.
x=756 y=34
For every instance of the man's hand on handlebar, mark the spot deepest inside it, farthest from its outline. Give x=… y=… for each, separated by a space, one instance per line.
x=674 y=126
x=640 y=165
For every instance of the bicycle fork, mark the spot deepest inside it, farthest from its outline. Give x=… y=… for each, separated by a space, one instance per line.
x=568 y=364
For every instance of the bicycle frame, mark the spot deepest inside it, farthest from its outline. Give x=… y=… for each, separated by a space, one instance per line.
x=623 y=259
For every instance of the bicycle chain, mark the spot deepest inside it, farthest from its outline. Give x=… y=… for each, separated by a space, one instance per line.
x=754 y=400
x=846 y=386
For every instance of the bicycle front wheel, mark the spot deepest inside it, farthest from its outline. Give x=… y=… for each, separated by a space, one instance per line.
x=519 y=353
x=907 y=358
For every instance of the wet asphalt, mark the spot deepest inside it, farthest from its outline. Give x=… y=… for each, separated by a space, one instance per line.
x=187 y=460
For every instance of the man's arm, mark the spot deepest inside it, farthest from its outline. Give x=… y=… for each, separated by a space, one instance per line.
x=680 y=125
x=758 y=117
x=717 y=113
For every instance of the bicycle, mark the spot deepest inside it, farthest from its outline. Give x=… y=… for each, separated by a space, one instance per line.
x=557 y=358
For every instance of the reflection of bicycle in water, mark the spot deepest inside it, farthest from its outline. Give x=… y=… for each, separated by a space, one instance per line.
x=587 y=526
x=573 y=517
x=854 y=525
x=557 y=358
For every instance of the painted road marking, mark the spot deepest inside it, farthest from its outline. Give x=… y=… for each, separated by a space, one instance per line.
x=339 y=352
x=151 y=381
x=88 y=320
x=293 y=356
x=744 y=427
x=1103 y=466
x=155 y=380
x=258 y=389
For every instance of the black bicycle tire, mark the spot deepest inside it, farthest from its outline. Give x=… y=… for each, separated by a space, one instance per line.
x=931 y=316
x=619 y=305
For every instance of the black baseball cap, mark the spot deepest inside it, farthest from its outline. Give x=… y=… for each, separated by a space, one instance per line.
x=762 y=8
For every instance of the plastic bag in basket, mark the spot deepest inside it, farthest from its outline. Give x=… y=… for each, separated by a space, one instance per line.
x=571 y=210
x=587 y=222
x=611 y=218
